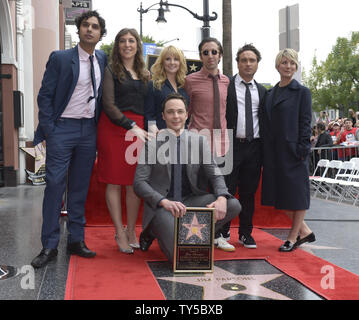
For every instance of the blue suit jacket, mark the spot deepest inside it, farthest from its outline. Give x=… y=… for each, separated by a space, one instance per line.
x=58 y=84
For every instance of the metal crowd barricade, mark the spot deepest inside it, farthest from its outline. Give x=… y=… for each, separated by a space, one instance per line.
x=326 y=181
x=337 y=152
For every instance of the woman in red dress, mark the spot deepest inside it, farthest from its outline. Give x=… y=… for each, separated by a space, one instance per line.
x=120 y=132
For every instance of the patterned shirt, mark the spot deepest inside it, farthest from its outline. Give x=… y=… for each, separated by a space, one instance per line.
x=199 y=87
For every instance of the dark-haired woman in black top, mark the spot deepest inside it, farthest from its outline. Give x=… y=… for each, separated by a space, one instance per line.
x=121 y=122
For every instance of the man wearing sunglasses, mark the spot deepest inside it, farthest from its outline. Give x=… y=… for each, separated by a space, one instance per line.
x=207 y=90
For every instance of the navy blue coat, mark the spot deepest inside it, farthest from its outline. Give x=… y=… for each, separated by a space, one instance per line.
x=286 y=143
x=154 y=100
x=58 y=84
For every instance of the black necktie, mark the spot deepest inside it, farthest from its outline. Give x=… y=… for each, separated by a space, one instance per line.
x=249 y=115
x=216 y=114
x=177 y=172
x=93 y=79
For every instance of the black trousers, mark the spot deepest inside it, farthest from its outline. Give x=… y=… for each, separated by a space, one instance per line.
x=245 y=176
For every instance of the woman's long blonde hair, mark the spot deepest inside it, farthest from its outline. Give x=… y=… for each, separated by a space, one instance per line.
x=116 y=60
x=158 y=71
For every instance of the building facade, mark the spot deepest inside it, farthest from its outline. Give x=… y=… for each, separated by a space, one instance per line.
x=29 y=31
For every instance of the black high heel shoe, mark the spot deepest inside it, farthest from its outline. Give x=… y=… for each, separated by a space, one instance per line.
x=287 y=246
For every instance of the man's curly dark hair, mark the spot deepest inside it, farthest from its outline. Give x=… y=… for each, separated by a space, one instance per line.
x=249 y=47
x=88 y=14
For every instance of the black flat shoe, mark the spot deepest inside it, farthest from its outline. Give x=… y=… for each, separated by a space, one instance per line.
x=145 y=241
x=308 y=238
x=287 y=246
x=80 y=249
x=44 y=257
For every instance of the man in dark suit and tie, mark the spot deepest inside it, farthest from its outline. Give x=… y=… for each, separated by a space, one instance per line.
x=69 y=106
x=244 y=113
x=172 y=174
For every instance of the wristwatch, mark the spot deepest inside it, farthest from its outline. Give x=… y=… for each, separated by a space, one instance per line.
x=133 y=124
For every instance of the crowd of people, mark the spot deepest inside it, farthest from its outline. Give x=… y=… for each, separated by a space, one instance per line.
x=88 y=107
x=337 y=139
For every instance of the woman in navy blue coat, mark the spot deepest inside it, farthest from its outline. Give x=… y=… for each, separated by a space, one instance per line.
x=286 y=141
x=168 y=75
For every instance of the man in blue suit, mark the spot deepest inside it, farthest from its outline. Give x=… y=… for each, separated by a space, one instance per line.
x=69 y=107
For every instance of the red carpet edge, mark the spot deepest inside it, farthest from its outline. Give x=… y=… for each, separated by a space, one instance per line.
x=115 y=276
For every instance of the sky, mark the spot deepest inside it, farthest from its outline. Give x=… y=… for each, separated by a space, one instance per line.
x=321 y=22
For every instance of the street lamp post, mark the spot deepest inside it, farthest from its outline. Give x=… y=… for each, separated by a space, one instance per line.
x=206 y=27
x=168 y=41
x=164 y=7
x=142 y=11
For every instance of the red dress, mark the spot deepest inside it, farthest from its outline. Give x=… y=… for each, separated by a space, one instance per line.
x=118 y=150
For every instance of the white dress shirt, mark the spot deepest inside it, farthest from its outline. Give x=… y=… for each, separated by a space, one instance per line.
x=78 y=107
x=241 y=105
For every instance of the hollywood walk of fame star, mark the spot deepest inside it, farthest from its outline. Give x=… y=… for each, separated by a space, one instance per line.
x=193 y=68
x=194 y=228
x=222 y=284
x=310 y=247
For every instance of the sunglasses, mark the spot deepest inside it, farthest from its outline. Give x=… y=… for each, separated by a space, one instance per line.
x=206 y=52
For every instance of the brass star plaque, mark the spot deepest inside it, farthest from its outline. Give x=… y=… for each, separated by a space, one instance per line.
x=194 y=237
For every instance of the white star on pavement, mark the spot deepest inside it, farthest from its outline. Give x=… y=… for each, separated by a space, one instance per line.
x=309 y=247
x=222 y=284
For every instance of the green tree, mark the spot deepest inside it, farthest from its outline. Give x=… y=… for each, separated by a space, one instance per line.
x=149 y=39
x=267 y=86
x=107 y=48
x=334 y=83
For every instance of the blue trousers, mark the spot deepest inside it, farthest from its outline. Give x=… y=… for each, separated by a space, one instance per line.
x=70 y=155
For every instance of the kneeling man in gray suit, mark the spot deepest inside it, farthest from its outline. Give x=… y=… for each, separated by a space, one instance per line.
x=172 y=174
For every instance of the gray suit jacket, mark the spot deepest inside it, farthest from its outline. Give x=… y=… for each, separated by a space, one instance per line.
x=153 y=173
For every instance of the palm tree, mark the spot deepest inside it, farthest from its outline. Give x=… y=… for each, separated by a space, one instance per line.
x=227 y=37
